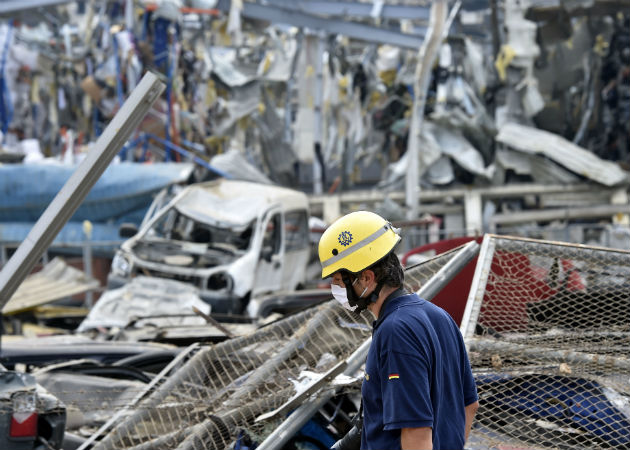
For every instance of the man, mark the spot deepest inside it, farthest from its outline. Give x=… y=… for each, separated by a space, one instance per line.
x=418 y=391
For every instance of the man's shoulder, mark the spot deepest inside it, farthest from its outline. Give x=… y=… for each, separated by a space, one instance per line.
x=414 y=310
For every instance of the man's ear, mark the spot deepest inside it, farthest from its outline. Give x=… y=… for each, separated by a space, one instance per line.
x=369 y=277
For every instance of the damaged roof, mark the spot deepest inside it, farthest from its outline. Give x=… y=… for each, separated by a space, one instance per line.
x=235 y=203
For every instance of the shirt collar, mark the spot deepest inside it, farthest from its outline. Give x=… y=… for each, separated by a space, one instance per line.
x=388 y=306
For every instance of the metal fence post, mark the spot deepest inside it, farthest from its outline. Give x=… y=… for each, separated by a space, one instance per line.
x=87 y=259
x=3 y=255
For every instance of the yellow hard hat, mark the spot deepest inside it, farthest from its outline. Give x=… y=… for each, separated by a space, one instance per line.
x=355 y=242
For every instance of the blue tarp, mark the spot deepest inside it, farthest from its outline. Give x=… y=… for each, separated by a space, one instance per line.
x=26 y=190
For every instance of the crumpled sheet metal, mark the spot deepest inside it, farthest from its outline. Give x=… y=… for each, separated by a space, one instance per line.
x=456 y=146
x=541 y=170
x=143 y=296
x=224 y=61
x=11 y=382
x=243 y=101
x=55 y=281
x=237 y=165
x=230 y=204
x=534 y=141
x=106 y=395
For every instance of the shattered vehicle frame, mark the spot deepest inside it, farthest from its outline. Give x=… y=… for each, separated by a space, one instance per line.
x=234 y=240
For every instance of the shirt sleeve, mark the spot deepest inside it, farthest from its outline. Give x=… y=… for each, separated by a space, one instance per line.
x=469 y=386
x=405 y=388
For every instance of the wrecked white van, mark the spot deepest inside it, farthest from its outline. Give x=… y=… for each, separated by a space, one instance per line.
x=232 y=239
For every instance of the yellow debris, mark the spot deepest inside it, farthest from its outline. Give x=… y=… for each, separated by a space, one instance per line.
x=388 y=76
x=601 y=45
x=267 y=62
x=87 y=228
x=504 y=58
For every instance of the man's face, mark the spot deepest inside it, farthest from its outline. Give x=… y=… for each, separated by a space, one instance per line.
x=336 y=279
x=358 y=285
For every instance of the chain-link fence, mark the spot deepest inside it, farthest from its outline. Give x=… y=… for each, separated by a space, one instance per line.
x=211 y=396
x=548 y=330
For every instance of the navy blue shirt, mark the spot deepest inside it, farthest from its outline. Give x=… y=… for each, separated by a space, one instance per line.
x=417 y=374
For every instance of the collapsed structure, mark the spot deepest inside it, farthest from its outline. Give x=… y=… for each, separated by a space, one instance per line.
x=546 y=323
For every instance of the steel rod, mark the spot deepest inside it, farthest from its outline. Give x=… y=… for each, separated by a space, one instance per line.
x=477 y=287
x=534 y=352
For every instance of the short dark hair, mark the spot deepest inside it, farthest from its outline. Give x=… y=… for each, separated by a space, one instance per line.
x=388 y=271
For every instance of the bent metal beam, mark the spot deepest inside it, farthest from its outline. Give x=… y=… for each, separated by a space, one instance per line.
x=353 y=30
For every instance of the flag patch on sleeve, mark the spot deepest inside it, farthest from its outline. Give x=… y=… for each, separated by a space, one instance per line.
x=394 y=376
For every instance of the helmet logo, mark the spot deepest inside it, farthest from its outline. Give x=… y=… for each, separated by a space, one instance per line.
x=345 y=238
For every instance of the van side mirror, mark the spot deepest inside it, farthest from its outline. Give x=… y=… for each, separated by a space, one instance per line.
x=127 y=230
x=266 y=253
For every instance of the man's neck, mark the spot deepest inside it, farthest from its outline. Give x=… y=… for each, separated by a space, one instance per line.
x=375 y=308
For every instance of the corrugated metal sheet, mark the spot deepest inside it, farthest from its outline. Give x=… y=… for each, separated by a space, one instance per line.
x=578 y=160
x=55 y=281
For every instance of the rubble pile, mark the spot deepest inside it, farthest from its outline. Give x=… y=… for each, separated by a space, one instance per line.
x=289 y=97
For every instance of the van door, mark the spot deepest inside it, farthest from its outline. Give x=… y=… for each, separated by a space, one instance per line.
x=296 y=248
x=271 y=260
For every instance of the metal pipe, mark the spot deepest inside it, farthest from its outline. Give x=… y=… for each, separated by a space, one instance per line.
x=491 y=192
x=426 y=56
x=78 y=185
x=344 y=9
x=329 y=25
x=13 y=6
x=288 y=104
x=443 y=276
x=87 y=268
x=477 y=287
x=586 y=212
x=565 y=250
x=534 y=352
x=318 y=167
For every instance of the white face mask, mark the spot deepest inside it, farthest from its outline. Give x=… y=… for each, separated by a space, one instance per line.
x=341 y=295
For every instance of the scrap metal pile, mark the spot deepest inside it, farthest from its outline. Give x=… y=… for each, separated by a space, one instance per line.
x=547 y=325
x=286 y=97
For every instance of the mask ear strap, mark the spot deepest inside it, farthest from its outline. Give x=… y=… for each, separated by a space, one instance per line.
x=354 y=299
x=373 y=297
